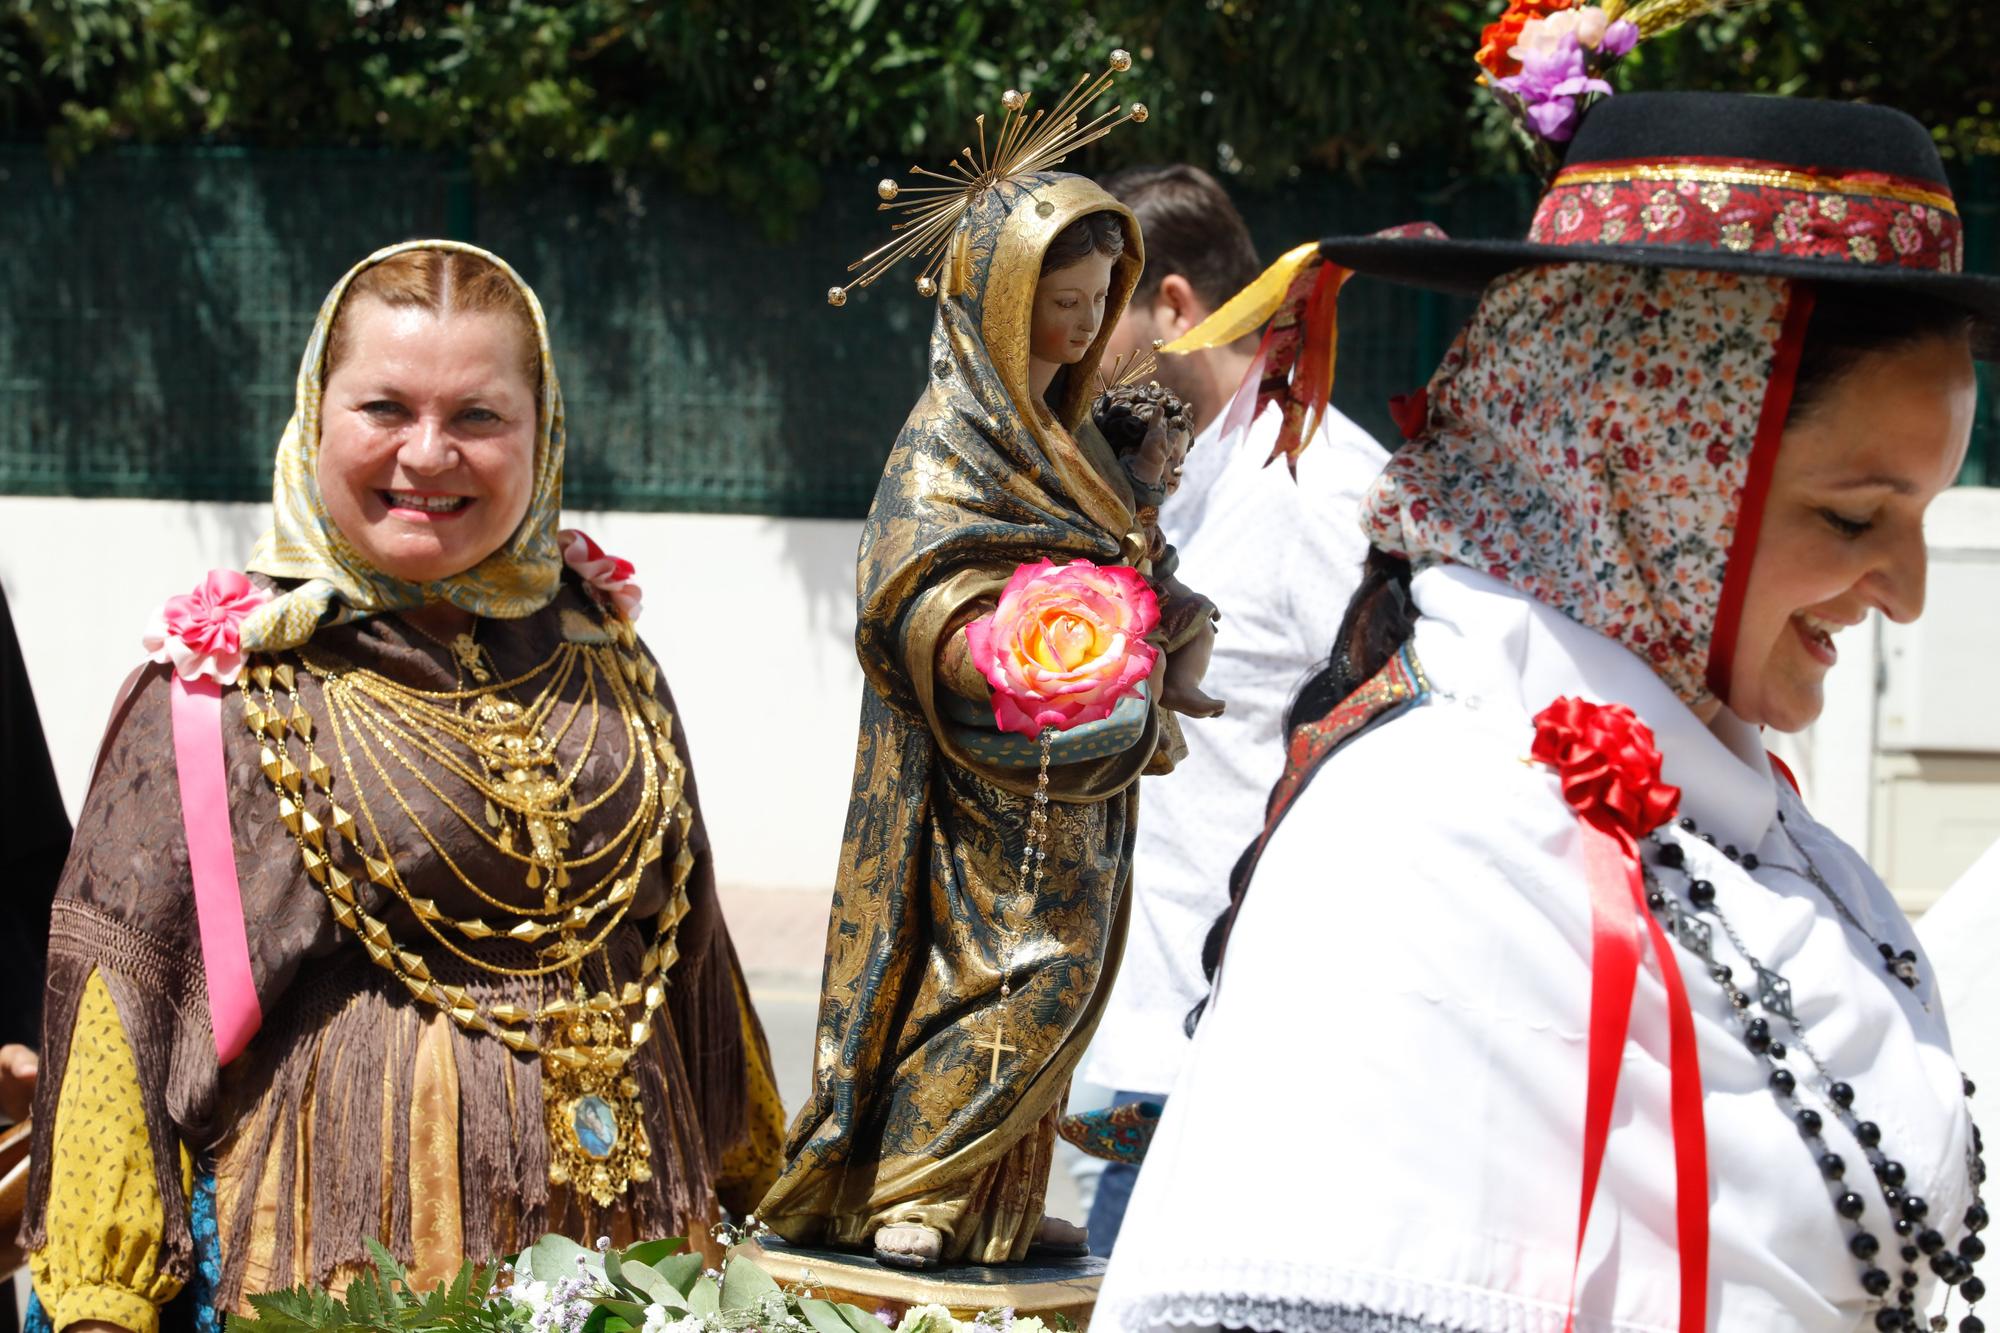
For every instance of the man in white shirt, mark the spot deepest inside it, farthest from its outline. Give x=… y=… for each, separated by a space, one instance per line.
x=1280 y=558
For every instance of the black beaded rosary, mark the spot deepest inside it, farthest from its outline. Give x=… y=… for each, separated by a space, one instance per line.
x=1773 y=996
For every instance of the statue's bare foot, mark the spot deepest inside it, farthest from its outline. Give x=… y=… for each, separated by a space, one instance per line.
x=1059 y=1237
x=1189 y=701
x=910 y=1245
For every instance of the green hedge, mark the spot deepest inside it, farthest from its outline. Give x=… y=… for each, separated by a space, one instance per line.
x=763 y=103
x=153 y=304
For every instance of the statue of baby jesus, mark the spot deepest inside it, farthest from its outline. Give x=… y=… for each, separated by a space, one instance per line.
x=1150 y=431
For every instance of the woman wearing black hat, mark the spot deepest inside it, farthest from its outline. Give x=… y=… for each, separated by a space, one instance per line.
x=1603 y=1030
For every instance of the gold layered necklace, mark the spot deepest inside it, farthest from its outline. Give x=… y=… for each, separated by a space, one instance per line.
x=501 y=739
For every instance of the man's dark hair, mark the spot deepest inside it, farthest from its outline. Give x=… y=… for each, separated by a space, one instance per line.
x=1190 y=228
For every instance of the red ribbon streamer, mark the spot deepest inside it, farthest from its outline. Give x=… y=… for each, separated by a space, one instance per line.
x=1609 y=769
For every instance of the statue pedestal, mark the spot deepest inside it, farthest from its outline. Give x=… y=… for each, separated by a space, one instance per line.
x=1044 y=1288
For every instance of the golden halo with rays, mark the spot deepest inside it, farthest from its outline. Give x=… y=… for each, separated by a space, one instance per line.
x=1028 y=141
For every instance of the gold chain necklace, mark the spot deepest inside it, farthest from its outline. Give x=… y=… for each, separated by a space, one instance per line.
x=585 y=1042
x=523 y=781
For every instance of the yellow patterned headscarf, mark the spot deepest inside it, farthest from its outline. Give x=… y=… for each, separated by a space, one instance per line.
x=340 y=585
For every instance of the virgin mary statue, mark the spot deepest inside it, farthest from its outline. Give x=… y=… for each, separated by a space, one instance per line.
x=956 y=1003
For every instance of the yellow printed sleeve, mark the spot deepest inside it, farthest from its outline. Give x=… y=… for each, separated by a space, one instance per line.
x=102 y=1259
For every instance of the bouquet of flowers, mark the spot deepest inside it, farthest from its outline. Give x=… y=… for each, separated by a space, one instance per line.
x=558 y=1286
x=1546 y=59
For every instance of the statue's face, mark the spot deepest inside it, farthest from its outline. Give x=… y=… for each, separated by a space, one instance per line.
x=1069 y=310
x=1178 y=441
x=427 y=439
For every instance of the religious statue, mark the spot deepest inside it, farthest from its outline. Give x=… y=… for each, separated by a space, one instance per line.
x=981 y=905
x=1151 y=431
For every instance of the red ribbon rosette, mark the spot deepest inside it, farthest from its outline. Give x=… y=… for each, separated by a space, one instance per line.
x=1609 y=770
x=1608 y=765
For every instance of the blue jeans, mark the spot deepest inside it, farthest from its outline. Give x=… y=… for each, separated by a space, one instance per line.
x=1114 y=1189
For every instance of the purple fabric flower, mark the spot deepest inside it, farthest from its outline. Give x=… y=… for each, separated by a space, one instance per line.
x=1549 y=83
x=1619 y=38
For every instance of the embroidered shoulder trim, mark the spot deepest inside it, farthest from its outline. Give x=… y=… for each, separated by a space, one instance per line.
x=1401 y=681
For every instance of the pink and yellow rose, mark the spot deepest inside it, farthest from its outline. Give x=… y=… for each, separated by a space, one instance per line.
x=1066 y=643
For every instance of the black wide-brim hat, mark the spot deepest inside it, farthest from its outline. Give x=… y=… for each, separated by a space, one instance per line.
x=1831 y=192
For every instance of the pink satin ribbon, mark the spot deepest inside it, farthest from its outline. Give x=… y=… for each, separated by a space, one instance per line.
x=233 y=1012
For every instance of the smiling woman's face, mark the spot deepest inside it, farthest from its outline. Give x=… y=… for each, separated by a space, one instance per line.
x=427 y=437
x=1843 y=526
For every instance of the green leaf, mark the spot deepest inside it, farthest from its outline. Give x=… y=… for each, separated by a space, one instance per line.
x=553 y=1258
x=704 y=1297
x=649 y=1284
x=681 y=1271
x=824 y=1316
x=744 y=1286
x=606 y=1312
x=385 y=1262
x=861 y=1320
x=652 y=1251
x=614 y=1272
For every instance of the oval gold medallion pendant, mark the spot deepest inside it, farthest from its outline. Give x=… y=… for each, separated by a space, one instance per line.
x=590 y=1100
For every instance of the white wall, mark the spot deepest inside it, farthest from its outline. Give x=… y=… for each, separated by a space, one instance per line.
x=753 y=619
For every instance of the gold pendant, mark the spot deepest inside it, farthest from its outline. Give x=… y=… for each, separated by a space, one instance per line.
x=526 y=775
x=466 y=649
x=590 y=1099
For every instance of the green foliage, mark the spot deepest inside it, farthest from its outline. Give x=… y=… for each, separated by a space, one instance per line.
x=381 y=1300
x=752 y=100
x=626 y=1284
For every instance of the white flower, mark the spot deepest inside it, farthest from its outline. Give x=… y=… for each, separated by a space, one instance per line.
x=1541 y=36
x=660 y=1319
x=927 y=1319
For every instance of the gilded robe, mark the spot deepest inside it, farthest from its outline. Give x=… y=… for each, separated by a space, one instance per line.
x=906 y=1122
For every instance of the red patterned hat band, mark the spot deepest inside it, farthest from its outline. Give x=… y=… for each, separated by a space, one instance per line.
x=1747 y=207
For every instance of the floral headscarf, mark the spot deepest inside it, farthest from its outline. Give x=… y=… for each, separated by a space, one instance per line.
x=339 y=585
x=1600 y=437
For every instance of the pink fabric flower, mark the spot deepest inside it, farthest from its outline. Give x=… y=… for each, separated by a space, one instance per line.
x=199 y=632
x=608 y=577
x=1066 y=643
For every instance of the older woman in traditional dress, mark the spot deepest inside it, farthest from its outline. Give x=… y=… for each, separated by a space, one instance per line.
x=391 y=916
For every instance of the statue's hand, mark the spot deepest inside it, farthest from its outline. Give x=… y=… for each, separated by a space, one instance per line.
x=955 y=668
x=1155 y=455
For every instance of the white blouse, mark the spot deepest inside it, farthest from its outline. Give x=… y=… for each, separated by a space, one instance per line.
x=1235 y=522
x=1379 y=1126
